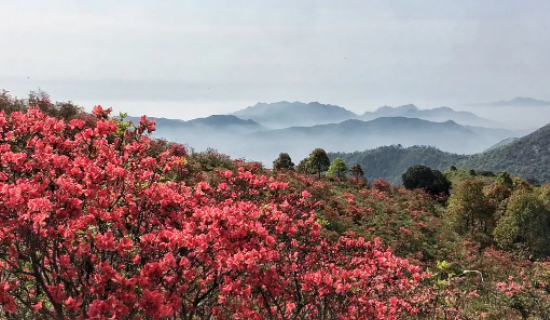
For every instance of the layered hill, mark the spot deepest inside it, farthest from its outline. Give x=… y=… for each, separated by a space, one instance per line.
x=437 y=114
x=352 y=135
x=525 y=157
x=248 y=139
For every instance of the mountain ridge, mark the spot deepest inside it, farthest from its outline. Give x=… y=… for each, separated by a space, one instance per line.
x=515 y=102
x=286 y=114
x=355 y=134
x=439 y=114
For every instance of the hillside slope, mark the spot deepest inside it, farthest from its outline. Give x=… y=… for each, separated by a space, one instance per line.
x=526 y=157
x=389 y=162
x=502 y=143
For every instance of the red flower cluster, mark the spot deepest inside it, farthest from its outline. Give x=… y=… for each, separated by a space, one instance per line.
x=92 y=227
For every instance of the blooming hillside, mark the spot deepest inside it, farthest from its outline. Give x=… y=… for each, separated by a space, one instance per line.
x=93 y=227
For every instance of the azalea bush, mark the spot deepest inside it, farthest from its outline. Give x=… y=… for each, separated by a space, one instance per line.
x=93 y=227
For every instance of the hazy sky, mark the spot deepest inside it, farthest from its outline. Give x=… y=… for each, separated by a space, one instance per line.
x=186 y=59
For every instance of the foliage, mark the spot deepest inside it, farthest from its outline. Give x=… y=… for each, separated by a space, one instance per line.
x=210 y=160
x=525 y=224
x=469 y=209
x=318 y=161
x=528 y=294
x=303 y=167
x=40 y=99
x=283 y=162
x=433 y=181
x=459 y=176
x=505 y=179
x=10 y=104
x=337 y=169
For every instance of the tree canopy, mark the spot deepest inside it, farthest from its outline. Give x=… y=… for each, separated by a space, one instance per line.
x=318 y=161
x=433 y=181
x=337 y=169
x=525 y=224
x=283 y=162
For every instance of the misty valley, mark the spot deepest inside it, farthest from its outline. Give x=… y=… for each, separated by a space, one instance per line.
x=262 y=131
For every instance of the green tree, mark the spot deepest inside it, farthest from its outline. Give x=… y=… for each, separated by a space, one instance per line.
x=337 y=169
x=469 y=208
x=318 y=161
x=303 y=167
x=525 y=224
x=419 y=176
x=283 y=162
x=504 y=178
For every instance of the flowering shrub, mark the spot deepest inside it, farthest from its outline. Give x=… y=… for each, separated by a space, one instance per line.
x=381 y=185
x=93 y=227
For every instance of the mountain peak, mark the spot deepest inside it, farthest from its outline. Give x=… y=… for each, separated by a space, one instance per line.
x=294 y=114
x=408 y=107
x=222 y=119
x=451 y=122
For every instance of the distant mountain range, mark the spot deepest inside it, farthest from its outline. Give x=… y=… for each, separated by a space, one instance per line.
x=247 y=139
x=525 y=157
x=321 y=126
x=516 y=102
x=354 y=135
x=440 y=114
x=297 y=114
x=290 y=114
